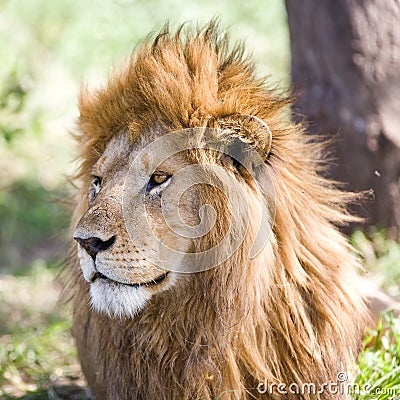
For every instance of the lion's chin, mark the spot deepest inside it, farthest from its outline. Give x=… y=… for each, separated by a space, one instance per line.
x=117 y=300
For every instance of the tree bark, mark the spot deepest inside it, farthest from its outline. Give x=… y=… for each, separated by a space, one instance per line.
x=346 y=73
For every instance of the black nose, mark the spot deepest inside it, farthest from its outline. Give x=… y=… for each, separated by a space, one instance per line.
x=93 y=244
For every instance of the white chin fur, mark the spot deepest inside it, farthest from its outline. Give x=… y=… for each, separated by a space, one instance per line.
x=117 y=300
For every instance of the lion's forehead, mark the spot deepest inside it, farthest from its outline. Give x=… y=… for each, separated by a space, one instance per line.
x=117 y=154
x=122 y=150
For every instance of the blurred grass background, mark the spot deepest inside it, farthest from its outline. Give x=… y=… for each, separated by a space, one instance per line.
x=48 y=49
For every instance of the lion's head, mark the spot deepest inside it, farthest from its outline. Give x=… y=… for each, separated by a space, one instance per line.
x=207 y=258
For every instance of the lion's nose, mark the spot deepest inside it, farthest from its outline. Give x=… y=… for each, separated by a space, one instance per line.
x=94 y=244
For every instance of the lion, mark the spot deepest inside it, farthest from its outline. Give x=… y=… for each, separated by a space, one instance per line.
x=158 y=312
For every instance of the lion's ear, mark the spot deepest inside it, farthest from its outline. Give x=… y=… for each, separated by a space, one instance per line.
x=249 y=129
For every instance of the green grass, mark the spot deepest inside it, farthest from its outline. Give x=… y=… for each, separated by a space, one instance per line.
x=378 y=369
x=35 y=355
x=36 y=347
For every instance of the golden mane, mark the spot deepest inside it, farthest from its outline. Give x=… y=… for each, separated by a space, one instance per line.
x=292 y=316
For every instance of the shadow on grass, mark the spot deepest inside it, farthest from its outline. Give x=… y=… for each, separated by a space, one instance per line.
x=55 y=392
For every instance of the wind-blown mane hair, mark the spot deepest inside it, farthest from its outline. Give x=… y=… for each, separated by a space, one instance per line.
x=290 y=315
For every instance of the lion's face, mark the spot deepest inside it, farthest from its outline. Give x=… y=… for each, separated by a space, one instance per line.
x=158 y=209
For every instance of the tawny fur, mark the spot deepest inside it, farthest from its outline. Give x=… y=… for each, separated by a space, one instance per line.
x=290 y=315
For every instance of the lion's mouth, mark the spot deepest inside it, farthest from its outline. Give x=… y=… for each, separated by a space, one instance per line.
x=156 y=281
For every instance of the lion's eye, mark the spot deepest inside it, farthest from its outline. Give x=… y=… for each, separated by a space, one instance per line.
x=94 y=187
x=157 y=180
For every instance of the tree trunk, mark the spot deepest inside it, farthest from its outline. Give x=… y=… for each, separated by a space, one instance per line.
x=346 y=72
